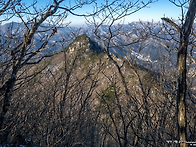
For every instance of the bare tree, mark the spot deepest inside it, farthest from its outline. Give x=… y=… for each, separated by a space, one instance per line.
x=143 y=106
x=57 y=106
x=184 y=31
x=21 y=50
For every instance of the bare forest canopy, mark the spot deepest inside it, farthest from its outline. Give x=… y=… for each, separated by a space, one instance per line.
x=105 y=84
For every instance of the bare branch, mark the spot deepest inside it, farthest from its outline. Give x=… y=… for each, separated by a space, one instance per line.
x=172 y=23
x=5 y=7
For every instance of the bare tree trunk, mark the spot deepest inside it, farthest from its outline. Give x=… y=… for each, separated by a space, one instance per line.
x=182 y=55
x=181 y=60
x=6 y=104
x=181 y=102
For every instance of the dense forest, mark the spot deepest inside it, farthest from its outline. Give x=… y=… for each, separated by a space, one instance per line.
x=108 y=84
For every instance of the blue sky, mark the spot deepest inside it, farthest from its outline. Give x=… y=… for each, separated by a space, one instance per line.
x=154 y=12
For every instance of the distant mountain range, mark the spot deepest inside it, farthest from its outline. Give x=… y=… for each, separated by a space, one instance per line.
x=143 y=52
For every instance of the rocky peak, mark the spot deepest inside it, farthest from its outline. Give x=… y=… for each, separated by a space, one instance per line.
x=85 y=44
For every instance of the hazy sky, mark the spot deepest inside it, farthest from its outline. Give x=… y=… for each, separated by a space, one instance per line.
x=154 y=12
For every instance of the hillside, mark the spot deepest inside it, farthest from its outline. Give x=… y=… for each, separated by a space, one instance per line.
x=107 y=83
x=77 y=97
x=84 y=55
